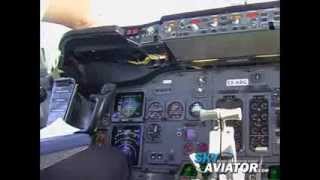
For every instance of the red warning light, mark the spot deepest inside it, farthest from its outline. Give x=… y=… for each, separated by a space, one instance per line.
x=135 y=31
x=132 y=31
x=188 y=148
x=252 y=15
x=195 y=21
x=203 y=147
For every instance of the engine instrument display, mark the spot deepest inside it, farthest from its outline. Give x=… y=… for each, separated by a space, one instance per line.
x=155 y=111
x=258 y=129
x=175 y=110
x=129 y=105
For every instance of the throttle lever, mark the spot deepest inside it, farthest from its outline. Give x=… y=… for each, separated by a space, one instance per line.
x=219 y=114
x=221 y=139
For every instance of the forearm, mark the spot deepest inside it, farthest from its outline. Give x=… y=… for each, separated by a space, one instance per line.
x=70 y=13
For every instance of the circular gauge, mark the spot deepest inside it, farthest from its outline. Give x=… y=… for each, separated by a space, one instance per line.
x=175 y=110
x=193 y=105
x=155 y=111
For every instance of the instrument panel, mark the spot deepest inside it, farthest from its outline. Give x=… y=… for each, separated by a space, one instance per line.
x=162 y=114
x=170 y=132
x=221 y=23
x=265 y=16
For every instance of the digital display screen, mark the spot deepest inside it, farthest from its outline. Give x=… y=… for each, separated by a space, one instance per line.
x=129 y=105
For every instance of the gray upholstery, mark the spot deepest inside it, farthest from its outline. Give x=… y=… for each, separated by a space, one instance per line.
x=94 y=163
x=55 y=144
x=53 y=158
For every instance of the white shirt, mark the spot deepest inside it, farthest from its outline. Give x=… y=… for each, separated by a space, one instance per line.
x=50 y=36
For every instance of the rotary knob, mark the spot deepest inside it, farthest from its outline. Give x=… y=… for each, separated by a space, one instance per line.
x=182 y=24
x=193 y=27
x=202 y=80
x=150 y=30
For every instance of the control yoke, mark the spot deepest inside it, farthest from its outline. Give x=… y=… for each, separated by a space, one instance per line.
x=103 y=101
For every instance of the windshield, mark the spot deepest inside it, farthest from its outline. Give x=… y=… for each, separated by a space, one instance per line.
x=94 y=13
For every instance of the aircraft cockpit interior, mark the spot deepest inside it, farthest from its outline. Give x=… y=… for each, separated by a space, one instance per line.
x=169 y=98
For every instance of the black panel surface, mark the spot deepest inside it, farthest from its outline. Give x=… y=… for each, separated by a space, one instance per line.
x=226 y=45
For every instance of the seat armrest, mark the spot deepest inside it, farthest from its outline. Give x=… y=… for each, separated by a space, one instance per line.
x=60 y=143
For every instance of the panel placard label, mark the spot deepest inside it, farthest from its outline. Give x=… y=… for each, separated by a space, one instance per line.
x=237 y=82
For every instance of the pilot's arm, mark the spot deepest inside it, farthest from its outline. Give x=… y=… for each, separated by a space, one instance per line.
x=70 y=13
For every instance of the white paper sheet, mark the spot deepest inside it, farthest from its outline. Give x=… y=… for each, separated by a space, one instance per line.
x=58 y=128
